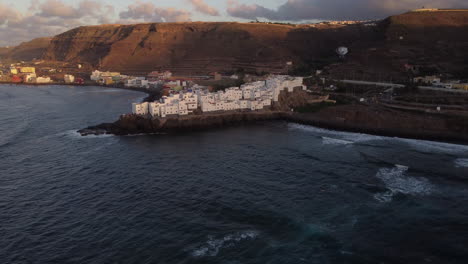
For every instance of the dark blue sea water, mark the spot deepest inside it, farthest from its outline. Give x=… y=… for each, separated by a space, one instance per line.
x=266 y=193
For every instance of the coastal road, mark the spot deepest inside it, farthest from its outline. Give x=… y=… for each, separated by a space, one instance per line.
x=443 y=89
x=393 y=85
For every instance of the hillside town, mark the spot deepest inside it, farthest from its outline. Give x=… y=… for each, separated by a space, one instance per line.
x=169 y=84
x=248 y=97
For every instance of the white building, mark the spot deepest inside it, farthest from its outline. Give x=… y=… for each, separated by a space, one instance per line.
x=252 y=96
x=140 y=109
x=98 y=75
x=137 y=82
x=43 y=80
x=69 y=78
x=30 y=77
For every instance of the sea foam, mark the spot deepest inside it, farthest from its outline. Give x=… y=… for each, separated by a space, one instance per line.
x=213 y=246
x=335 y=141
x=74 y=134
x=396 y=182
x=432 y=146
x=336 y=137
x=461 y=163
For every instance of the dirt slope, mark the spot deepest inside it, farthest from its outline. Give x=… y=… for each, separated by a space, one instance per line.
x=200 y=47
x=26 y=51
x=432 y=41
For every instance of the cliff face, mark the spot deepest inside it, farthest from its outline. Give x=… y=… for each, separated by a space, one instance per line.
x=134 y=124
x=198 y=48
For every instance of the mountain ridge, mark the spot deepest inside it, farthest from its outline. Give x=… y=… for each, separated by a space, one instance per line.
x=432 y=40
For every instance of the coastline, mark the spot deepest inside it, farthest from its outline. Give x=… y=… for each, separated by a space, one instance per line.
x=133 y=124
x=153 y=94
x=336 y=125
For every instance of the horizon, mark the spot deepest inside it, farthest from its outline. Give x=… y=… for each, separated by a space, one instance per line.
x=25 y=20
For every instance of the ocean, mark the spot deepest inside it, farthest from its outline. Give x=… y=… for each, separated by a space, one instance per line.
x=271 y=192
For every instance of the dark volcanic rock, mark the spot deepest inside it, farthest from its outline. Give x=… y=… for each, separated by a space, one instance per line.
x=135 y=124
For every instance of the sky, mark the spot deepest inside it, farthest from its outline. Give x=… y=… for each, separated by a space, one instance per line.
x=23 y=20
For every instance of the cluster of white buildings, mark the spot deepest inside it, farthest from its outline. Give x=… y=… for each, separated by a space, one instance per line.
x=33 y=78
x=252 y=96
x=154 y=79
x=68 y=78
x=435 y=81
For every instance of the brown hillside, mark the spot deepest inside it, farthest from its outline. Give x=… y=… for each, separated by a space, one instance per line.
x=432 y=41
x=3 y=52
x=27 y=51
x=199 y=48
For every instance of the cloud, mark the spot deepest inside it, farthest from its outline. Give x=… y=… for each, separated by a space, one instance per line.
x=8 y=15
x=204 y=8
x=172 y=15
x=246 y=11
x=148 y=12
x=49 y=18
x=296 y=10
x=56 y=8
x=139 y=10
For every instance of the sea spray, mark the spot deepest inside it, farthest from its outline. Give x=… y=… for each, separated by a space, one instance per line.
x=396 y=181
x=213 y=245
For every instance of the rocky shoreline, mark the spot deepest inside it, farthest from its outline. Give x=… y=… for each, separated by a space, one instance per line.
x=410 y=125
x=134 y=124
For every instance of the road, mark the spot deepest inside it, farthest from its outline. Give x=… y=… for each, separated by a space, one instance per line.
x=443 y=89
x=393 y=85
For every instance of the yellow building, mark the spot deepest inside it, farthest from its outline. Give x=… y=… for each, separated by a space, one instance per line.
x=108 y=81
x=463 y=86
x=27 y=70
x=13 y=70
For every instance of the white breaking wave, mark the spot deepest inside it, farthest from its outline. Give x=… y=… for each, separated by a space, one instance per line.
x=397 y=182
x=421 y=145
x=432 y=146
x=75 y=135
x=342 y=136
x=334 y=141
x=461 y=163
x=104 y=91
x=213 y=246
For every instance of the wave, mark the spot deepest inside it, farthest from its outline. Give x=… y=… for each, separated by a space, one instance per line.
x=104 y=91
x=432 y=146
x=345 y=136
x=461 y=163
x=397 y=182
x=75 y=135
x=420 y=145
x=213 y=246
x=335 y=141
x=13 y=130
x=146 y=134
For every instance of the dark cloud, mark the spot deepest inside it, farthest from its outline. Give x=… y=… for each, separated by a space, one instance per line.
x=296 y=10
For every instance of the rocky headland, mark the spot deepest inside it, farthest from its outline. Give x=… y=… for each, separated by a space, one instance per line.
x=377 y=119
